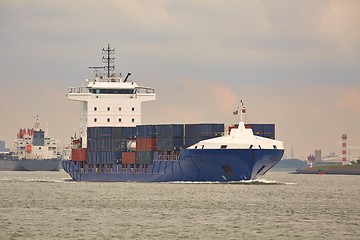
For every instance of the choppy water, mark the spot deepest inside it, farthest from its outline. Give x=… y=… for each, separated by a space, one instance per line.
x=47 y=205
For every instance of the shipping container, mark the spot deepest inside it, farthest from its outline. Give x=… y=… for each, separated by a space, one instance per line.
x=192 y=140
x=198 y=132
x=144 y=157
x=92 y=133
x=129 y=132
x=170 y=130
x=118 y=155
x=169 y=144
x=105 y=132
x=111 y=132
x=120 y=144
x=146 y=144
x=78 y=154
x=117 y=133
x=269 y=128
x=91 y=156
x=204 y=129
x=128 y=157
x=146 y=131
x=263 y=130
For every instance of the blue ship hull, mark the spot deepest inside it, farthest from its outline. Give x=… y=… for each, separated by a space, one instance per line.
x=197 y=165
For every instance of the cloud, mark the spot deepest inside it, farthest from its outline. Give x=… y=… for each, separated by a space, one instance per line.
x=341 y=21
x=191 y=100
x=348 y=100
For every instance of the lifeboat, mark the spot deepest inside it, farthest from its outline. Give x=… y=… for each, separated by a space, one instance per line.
x=28 y=148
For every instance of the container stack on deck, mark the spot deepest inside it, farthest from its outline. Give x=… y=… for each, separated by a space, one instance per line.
x=198 y=132
x=170 y=137
x=263 y=130
x=259 y=129
x=106 y=144
x=146 y=144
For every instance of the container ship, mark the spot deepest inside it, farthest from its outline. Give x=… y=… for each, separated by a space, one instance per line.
x=33 y=150
x=113 y=145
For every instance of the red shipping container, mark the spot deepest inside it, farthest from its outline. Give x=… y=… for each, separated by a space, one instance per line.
x=78 y=154
x=146 y=144
x=128 y=157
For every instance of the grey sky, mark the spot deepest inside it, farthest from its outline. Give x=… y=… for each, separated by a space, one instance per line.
x=294 y=63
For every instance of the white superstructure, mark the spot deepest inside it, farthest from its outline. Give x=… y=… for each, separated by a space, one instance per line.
x=36 y=144
x=239 y=138
x=109 y=100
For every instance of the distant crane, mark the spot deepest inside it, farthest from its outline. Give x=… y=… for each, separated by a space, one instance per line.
x=350 y=147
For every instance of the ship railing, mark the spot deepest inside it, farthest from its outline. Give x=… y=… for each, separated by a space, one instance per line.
x=79 y=90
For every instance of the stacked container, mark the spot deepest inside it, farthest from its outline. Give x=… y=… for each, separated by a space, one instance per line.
x=170 y=137
x=263 y=130
x=197 y=132
x=106 y=144
x=146 y=143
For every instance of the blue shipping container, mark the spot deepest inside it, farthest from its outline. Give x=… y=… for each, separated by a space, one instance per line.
x=146 y=131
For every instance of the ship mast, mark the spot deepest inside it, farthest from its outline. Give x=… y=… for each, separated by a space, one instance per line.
x=108 y=60
x=36 y=122
x=240 y=111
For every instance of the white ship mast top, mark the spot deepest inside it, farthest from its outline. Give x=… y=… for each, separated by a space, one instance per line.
x=36 y=123
x=240 y=111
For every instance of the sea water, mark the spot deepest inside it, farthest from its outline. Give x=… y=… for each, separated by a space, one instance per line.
x=49 y=205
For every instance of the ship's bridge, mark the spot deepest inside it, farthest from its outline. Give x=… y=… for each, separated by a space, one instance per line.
x=108 y=99
x=111 y=88
x=110 y=103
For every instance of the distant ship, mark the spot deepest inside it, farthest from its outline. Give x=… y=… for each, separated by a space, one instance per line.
x=33 y=151
x=338 y=169
x=113 y=145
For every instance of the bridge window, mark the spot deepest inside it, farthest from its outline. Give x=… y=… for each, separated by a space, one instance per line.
x=113 y=91
x=108 y=108
x=133 y=120
x=119 y=108
x=119 y=119
x=95 y=108
x=108 y=119
x=223 y=146
x=133 y=109
x=95 y=120
x=274 y=146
